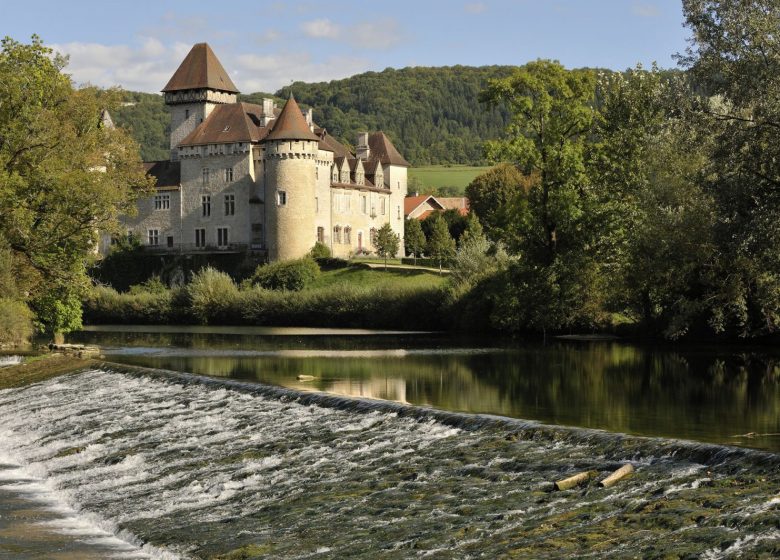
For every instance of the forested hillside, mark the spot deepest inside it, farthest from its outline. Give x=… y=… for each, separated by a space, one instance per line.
x=432 y=114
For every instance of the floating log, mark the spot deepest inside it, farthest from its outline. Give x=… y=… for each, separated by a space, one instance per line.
x=617 y=476
x=306 y=378
x=572 y=481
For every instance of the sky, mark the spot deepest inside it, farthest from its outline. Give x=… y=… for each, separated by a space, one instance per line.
x=266 y=44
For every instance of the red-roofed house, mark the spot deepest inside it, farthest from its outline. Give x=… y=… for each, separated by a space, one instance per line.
x=420 y=207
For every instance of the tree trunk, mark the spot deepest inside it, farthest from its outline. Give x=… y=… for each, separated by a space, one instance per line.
x=572 y=481
x=617 y=476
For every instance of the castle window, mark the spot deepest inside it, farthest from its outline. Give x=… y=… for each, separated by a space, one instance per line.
x=154 y=237
x=228 y=174
x=162 y=201
x=344 y=202
x=382 y=203
x=399 y=212
x=205 y=203
x=230 y=204
x=349 y=201
x=337 y=234
x=348 y=235
x=200 y=237
x=317 y=173
x=281 y=198
x=186 y=113
x=321 y=235
x=222 y=237
x=363 y=204
x=373 y=236
x=205 y=175
x=316 y=204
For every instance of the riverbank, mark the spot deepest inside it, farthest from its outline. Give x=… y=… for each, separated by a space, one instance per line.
x=39 y=368
x=352 y=297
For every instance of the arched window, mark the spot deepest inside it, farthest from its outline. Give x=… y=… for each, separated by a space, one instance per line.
x=348 y=235
x=336 y=234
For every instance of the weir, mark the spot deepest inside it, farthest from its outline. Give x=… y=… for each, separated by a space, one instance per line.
x=185 y=466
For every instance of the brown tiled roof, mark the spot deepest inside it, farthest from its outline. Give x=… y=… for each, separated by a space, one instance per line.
x=235 y=122
x=370 y=165
x=201 y=69
x=382 y=149
x=412 y=202
x=329 y=143
x=291 y=124
x=167 y=173
x=454 y=203
x=339 y=161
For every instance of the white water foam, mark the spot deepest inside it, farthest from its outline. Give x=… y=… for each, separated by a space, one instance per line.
x=6 y=361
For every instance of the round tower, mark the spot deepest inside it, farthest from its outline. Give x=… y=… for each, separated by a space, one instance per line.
x=290 y=182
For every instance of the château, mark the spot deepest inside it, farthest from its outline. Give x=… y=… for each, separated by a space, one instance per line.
x=262 y=179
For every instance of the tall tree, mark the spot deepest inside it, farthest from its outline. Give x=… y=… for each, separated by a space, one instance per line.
x=414 y=238
x=64 y=178
x=495 y=197
x=734 y=57
x=552 y=115
x=441 y=245
x=556 y=282
x=387 y=242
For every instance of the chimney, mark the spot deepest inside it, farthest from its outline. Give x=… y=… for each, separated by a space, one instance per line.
x=310 y=118
x=362 y=151
x=268 y=110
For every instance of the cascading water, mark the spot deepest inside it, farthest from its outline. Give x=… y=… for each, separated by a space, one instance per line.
x=179 y=466
x=6 y=361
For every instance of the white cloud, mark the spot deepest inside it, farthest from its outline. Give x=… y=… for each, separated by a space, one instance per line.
x=475 y=7
x=321 y=29
x=148 y=64
x=380 y=34
x=270 y=72
x=145 y=67
x=645 y=10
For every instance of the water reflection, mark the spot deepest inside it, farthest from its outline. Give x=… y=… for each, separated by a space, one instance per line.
x=706 y=394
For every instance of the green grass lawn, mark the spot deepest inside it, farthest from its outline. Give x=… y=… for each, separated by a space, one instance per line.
x=434 y=176
x=372 y=277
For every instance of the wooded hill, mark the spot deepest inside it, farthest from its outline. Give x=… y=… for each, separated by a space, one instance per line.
x=432 y=115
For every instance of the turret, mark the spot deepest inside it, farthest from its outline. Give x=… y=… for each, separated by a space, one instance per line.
x=290 y=183
x=198 y=85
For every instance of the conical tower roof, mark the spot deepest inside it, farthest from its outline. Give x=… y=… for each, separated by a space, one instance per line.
x=201 y=69
x=291 y=125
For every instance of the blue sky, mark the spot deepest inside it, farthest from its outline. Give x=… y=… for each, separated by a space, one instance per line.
x=267 y=44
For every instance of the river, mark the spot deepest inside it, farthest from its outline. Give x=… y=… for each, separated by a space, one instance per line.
x=294 y=444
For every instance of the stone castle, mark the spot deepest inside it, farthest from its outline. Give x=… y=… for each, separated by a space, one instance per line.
x=256 y=178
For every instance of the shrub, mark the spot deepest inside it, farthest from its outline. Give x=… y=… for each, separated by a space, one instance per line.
x=152 y=286
x=58 y=311
x=16 y=326
x=319 y=251
x=211 y=295
x=331 y=263
x=106 y=305
x=287 y=275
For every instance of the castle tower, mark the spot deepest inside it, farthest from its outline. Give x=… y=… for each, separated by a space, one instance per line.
x=290 y=183
x=198 y=85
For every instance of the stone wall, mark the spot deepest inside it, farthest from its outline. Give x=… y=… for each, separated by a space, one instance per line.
x=217 y=187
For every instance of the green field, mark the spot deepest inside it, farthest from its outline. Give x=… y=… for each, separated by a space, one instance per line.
x=405 y=277
x=437 y=176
